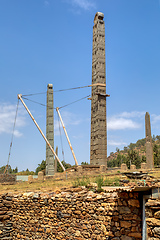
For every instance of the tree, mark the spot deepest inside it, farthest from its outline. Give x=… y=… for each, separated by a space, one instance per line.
x=84 y=163
x=66 y=165
x=15 y=170
x=41 y=166
x=131 y=146
x=158 y=137
x=153 y=138
x=111 y=153
x=117 y=149
x=133 y=158
x=125 y=149
x=156 y=155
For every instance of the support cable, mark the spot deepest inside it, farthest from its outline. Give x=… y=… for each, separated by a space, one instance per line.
x=68 y=89
x=44 y=105
x=12 y=137
x=74 y=102
x=32 y=94
x=60 y=137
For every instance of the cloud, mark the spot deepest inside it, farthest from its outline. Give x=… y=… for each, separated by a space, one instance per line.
x=46 y=3
x=119 y=123
x=125 y=120
x=7 y=117
x=115 y=143
x=82 y=4
x=155 y=121
x=133 y=114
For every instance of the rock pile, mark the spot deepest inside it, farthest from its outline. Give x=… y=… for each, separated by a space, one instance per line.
x=7 y=178
x=71 y=214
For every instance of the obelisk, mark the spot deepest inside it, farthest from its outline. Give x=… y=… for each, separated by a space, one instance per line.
x=50 y=131
x=149 y=148
x=98 y=143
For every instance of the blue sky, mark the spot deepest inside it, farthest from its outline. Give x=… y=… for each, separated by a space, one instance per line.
x=50 y=41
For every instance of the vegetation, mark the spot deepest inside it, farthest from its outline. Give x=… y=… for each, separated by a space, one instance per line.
x=27 y=172
x=66 y=165
x=84 y=163
x=85 y=181
x=99 y=181
x=41 y=167
x=9 y=169
x=134 y=153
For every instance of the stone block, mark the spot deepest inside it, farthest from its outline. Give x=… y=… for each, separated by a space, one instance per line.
x=133 y=167
x=102 y=168
x=79 y=169
x=124 y=167
x=143 y=165
x=30 y=178
x=41 y=176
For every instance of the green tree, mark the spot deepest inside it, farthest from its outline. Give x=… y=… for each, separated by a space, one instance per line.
x=41 y=166
x=133 y=158
x=15 y=170
x=84 y=163
x=117 y=149
x=125 y=149
x=156 y=155
x=131 y=146
x=66 y=165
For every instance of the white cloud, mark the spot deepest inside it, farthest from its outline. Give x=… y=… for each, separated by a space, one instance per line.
x=119 y=123
x=115 y=143
x=7 y=117
x=133 y=114
x=155 y=121
x=83 y=4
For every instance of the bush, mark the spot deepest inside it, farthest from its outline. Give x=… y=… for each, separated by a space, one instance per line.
x=99 y=181
x=85 y=181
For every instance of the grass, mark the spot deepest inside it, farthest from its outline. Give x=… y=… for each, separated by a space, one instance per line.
x=85 y=181
x=46 y=186
x=105 y=179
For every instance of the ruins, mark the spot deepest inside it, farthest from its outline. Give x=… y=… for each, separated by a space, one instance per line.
x=149 y=148
x=98 y=142
x=50 y=131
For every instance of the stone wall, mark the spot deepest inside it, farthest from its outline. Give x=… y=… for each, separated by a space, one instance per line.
x=153 y=219
x=7 y=178
x=72 y=214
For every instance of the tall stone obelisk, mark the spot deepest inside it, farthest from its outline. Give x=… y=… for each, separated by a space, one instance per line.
x=50 y=131
x=149 y=148
x=98 y=144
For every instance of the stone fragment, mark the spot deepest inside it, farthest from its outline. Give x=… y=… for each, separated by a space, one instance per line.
x=157 y=214
x=135 y=235
x=156 y=230
x=125 y=224
x=134 y=203
x=153 y=221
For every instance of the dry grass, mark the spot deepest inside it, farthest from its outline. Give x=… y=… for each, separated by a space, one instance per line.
x=51 y=185
x=45 y=186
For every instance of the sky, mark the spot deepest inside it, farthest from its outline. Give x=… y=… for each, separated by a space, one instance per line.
x=50 y=41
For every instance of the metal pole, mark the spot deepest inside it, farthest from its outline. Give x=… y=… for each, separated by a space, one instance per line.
x=57 y=109
x=20 y=97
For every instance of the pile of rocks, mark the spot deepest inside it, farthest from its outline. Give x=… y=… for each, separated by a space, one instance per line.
x=7 y=178
x=71 y=214
x=153 y=219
